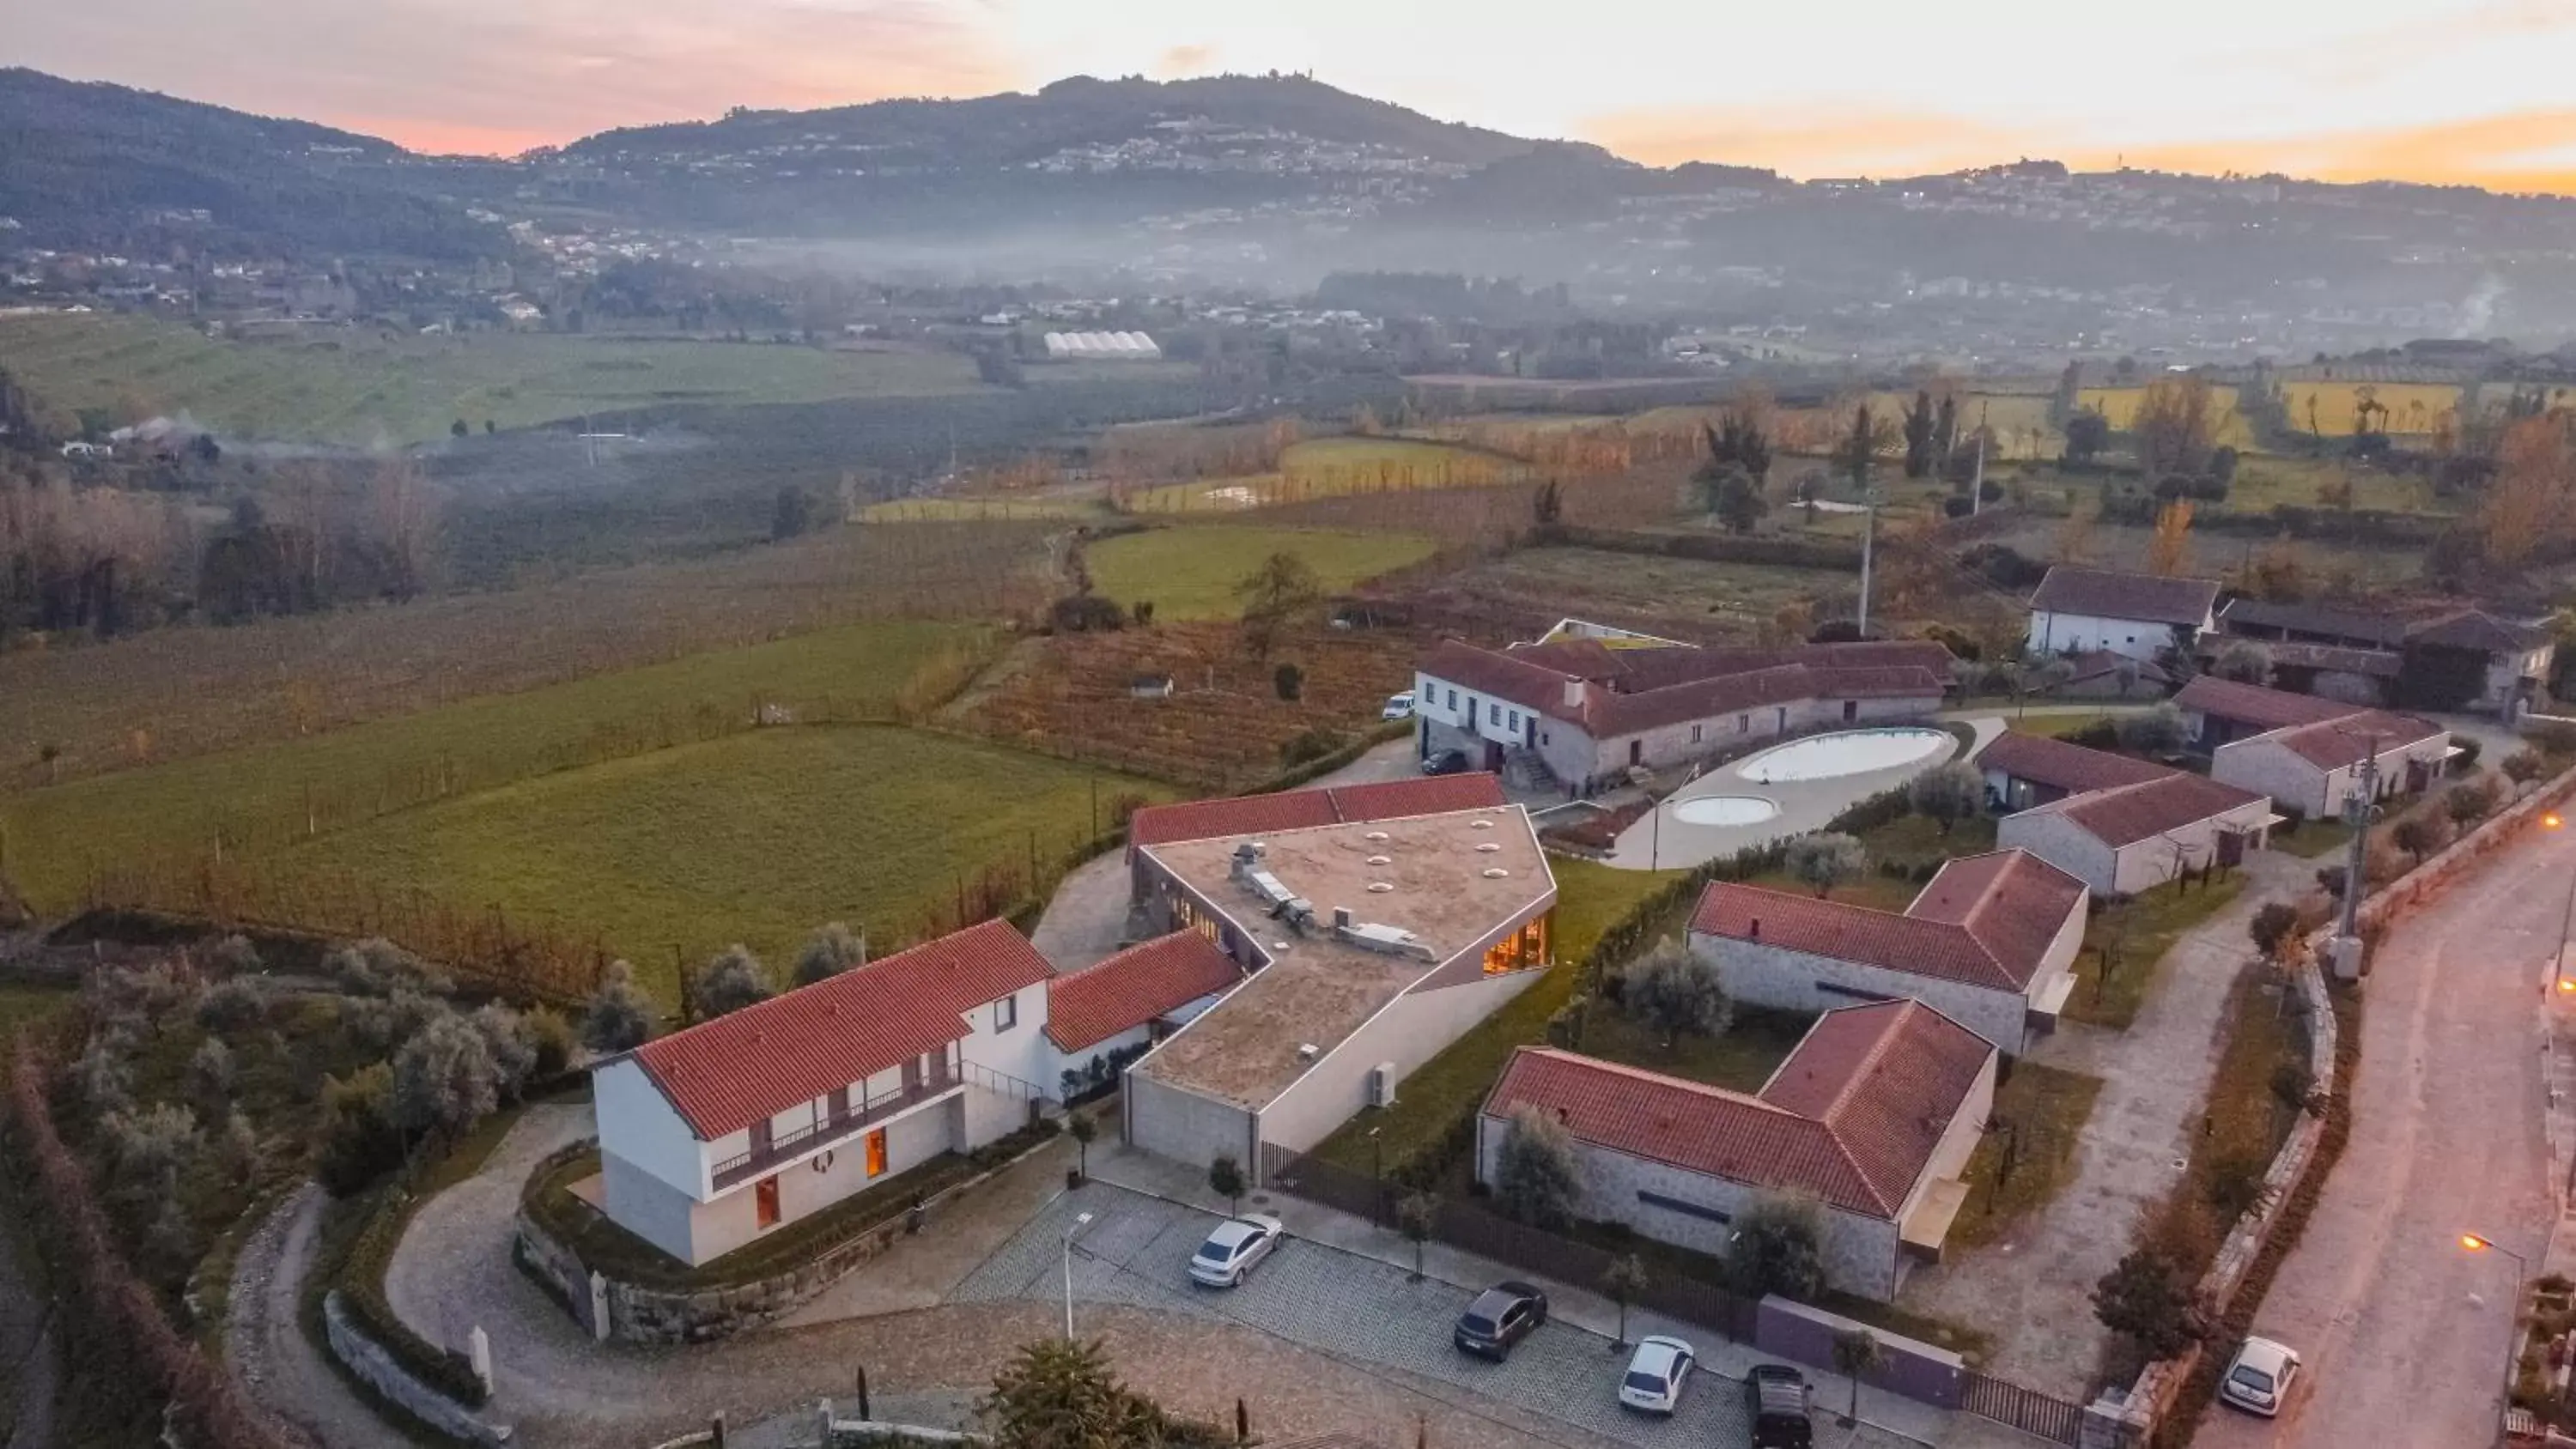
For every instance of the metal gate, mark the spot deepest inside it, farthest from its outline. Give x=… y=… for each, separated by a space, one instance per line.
x=2028 y=1410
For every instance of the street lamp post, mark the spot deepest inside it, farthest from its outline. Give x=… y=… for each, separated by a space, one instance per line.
x=1080 y=1221
x=2513 y=1305
x=1377 y=1177
x=2558 y=978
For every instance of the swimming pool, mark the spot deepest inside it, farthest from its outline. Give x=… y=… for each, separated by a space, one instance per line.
x=1852 y=752
x=1724 y=810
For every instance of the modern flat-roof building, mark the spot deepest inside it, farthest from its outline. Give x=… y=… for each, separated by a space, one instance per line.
x=1369 y=946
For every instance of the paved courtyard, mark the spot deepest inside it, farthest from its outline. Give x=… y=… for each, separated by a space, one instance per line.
x=1135 y=1253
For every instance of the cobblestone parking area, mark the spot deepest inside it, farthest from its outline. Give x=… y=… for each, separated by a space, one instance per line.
x=1136 y=1250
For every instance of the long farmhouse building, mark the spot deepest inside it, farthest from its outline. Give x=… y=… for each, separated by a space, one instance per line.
x=1582 y=712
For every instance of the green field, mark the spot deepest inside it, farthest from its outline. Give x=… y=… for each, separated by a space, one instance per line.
x=758 y=838
x=1191 y=573
x=260 y=796
x=358 y=385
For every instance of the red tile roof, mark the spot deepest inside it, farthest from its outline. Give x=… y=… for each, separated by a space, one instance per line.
x=1986 y=920
x=2476 y=629
x=724 y=1074
x=2131 y=813
x=2103 y=594
x=1134 y=987
x=2331 y=744
x=2061 y=766
x=1650 y=688
x=2106 y=663
x=1303 y=809
x=1853 y=1115
x=2252 y=704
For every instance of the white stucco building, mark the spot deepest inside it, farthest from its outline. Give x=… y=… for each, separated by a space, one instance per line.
x=714 y=1135
x=1991 y=942
x=2131 y=838
x=1873 y=1116
x=1369 y=946
x=1127 y=1002
x=1583 y=710
x=2080 y=611
x=2313 y=767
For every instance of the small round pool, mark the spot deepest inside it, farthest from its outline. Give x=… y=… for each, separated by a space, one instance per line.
x=1853 y=752
x=1724 y=810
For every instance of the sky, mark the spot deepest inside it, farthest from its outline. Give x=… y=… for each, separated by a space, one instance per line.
x=2472 y=91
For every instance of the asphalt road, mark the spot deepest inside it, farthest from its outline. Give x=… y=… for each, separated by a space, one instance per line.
x=2402 y=1331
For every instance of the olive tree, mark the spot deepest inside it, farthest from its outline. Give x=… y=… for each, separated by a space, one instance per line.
x=1948 y=793
x=444 y=1078
x=829 y=952
x=1536 y=1177
x=1827 y=859
x=1677 y=993
x=2157 y=730
x=733 y=980
x=1778 y=1247
x=620 y=1015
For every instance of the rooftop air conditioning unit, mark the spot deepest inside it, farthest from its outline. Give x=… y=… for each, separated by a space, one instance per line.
x=1381 y=1091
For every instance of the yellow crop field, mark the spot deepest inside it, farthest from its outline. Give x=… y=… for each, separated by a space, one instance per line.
x=2119 y=405
x=2333 y=409
x=1330 y=467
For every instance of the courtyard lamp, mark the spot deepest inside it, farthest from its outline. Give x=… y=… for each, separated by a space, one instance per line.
x=2474 y=1243
x=1080 y=1221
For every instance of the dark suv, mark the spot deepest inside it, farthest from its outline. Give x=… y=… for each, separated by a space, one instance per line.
x=1775 y=1397
x=1501 y=1316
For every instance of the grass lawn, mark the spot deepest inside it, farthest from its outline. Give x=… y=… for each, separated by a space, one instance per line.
x=2048 y=1108
x=1917 y=839
x=2143 y=929
x=756 y=838
x=2058 y=726
x=981 y=510
x=22 y=1005
x=1741 y=1060
x=1590 y=897
x=356 y=385
x=268 y=796
x=1191 y=573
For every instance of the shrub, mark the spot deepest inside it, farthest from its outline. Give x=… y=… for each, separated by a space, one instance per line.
x=359 y=1140
x=2292 y=1084
x=2466 y=761
x=2524 y=766
x=620 y=1015
x=210 y=1072
x=2468 y=804
x=381 y=1024
x=1948 y=793
x=829 y=952
x=1677 y=993
x=234 y=955
x=1086 y=613
x=733 y=980
x=1779 y=1248
x=2417 y=835
x=505 y=1040
x=103 y=1076
x=2156 y=731
x=1288 y=682
x=1827 y=859
x=234 y=1003
x=2145 y=1299
x=2272 y=928
x=1312 y=744
x=1536 y=1178
x=444 y=1078
x=378 y=967
x=550 y=1038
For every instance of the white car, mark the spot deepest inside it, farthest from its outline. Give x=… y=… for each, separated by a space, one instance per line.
x=1398 y=706
x=1233 y=1248
x=2259 y=1378
x=1656 y=1374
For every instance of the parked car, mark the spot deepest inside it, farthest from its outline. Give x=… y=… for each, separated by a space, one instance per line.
x=1775 y=1398
x=1656 y=1373
x=1501 y=1316
x=2259 y=1378
x=1230 y=1251
x=1398 y=706
x=1445 y=762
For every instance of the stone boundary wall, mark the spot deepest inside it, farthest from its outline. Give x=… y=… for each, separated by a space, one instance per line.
x=2121 y=1420
x=385 y=1374
x=637 y=1313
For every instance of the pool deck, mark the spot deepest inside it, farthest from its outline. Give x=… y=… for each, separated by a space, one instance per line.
x=1662 y=842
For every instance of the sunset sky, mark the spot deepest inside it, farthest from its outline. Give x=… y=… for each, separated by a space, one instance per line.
x=2437 y=90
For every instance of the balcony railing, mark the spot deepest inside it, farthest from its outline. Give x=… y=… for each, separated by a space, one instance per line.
x=830 y=1131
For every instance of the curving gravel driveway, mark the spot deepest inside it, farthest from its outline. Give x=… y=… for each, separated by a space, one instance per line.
x=308 y=1404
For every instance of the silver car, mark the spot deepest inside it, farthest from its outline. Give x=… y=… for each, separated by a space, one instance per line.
x=2259 y=1377
x=1233 y=1248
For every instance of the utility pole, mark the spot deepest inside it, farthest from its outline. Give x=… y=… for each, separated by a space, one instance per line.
x=1868 y=544
x=2344 y=951
x=1977 y=483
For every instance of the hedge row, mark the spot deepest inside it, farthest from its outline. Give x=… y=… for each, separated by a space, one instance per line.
x=107 y=1306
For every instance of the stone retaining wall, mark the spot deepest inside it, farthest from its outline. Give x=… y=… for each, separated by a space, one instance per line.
x=637 y=1313
x=2122 y=1420
x=385 y=1374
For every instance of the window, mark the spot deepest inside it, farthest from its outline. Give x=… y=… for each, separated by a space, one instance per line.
x=1006 y=1013
x=1695 y=734
x=1516 y=721
x=1687 y=1209
x=1542 y=737
x=1494 y=712
x=764 y=1202
x=1830 y=988
x=1453 y=699
x=876 y=1153
x=1744 y=724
